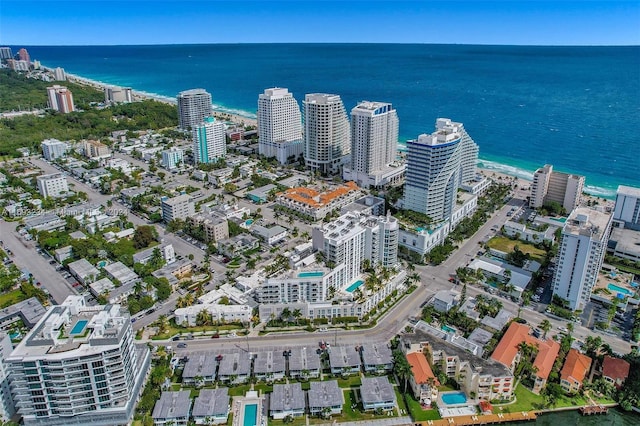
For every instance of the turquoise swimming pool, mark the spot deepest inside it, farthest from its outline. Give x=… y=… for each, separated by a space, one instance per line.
x=313 y=274
x=617 y=289
x=354 y=286
x=250 y=415
x=448 y=329
x=79 y=327
x=454 y=398
x=248 y=222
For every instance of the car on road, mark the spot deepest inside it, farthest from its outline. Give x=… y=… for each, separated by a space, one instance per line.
x=182 y=345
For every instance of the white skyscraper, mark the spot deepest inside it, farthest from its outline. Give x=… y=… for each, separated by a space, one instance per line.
x=209 y=141
x=78 y=365
x=279 y=125
x=52 y=185
x=374 y=146
x=172 y=157
x=627 y=208
x=7 y=408
x=193 y=107
x=434 y=167
x=59 y=74
x=327 y=140
x=582 y=248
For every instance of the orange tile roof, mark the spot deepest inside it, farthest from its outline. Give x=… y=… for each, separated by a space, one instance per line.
x=421 y=369
x=507 y=349
x=316 y=199
x=576 y=366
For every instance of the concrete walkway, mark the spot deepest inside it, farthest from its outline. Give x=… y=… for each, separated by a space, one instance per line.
x=391 y=421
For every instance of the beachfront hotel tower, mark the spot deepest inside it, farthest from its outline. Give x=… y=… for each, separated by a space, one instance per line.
x=374 y=146
x=437 y=164
x=78 y=365
x=582 y=248
x=209 y=141
x=279 y=125
x=327 y=139
x=193 y=107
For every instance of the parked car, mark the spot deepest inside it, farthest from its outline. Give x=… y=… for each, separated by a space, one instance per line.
x=182 y=345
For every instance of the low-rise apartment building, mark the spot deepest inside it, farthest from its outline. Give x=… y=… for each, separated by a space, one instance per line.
x=316 y=205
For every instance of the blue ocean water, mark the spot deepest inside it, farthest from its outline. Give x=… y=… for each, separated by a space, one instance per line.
x=577 y=108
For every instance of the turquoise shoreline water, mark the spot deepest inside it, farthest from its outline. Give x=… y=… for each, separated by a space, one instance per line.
x=577 y=108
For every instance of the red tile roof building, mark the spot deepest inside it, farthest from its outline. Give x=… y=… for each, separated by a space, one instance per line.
x=317 y=205
x=422 y=379
x=615 y=370
x=575 y=369
x=507 y=352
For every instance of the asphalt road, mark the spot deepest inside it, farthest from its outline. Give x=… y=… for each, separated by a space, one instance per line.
x=25 y=257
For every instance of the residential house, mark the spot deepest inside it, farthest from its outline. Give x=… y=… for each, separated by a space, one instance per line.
x=84 y=271
x=200 y=369
x=615 y=370
x=344 y=360
x=211 y=406
x=271 y=235
x=575 y=369
x=377 y=393
x=304 y=363
x=269 y=366
x=172 y=409
x=444 y=300
x=235 y=368
x=286 y=400
x=325 y=395
x=377 y=358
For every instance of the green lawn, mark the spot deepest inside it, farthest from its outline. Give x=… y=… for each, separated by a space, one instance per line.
x=11 y=297
x=418 y=414
x=173 y=330
x=507 y=245
x=351 y=381
x=527 y=400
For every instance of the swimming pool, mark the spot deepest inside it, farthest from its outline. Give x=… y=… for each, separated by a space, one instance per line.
x=314 y=274
x=248 y=222
x=250 y=415
x=561 y=220
x=448 y=329
x=617 y=289
x=79 y=327
x=453 y=398
x=354 y=286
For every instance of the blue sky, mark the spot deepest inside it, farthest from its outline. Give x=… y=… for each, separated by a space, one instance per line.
x=526 y=22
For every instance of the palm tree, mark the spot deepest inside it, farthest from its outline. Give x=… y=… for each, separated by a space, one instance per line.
x=180 y=302
x=188 y=299
x=163 y=324
x=592 y=345
x=570 y=327
x=402 y=368
x=545 y=326
x=285 y=314
x=297 y=313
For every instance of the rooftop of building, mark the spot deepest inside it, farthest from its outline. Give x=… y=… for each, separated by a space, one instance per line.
x=120 y=272
x=325 y=394
x=31 y=310
x=265 y=232
x=507 y=349
x=376 y=354
x=104 y=285
x=286 y=397
x=586 y=221
x=615 y=368
x=576 y=366
x=629 y=191
x=236 y=363
x=376 y=389
x=74 y=329
x=343 y=356
x=627 y=240
x=192 y=92
x=140 y=256
x=172 y=405
x=422 y=372
x=184 y=198
x=499 y=321
x=201 y=364
x=304 y=359
x=51 y=176
x=486 y=366
x=211 y=402
x=269 y=362
x=83 y=268
x=316 y=199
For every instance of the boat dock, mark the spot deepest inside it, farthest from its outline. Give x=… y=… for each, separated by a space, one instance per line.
x=589 y=410
x=481 y=419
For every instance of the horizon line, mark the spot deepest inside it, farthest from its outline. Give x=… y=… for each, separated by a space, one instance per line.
x=318 y=43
